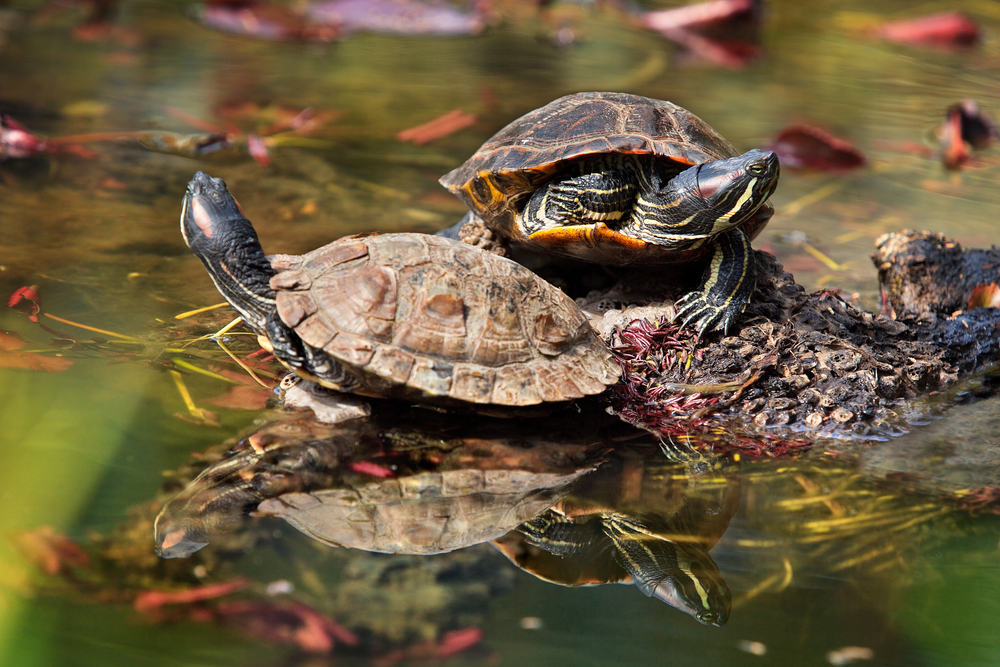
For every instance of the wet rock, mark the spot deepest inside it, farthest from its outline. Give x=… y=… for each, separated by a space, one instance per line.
x=819 y=361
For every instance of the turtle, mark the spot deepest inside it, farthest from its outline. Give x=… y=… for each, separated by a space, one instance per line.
x=640 y=519
x=621 y=179
x=406 y=316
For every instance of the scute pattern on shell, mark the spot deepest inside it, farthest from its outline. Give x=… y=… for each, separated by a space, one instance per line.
x=528 y=151
x=411 y=316
x=429 y=513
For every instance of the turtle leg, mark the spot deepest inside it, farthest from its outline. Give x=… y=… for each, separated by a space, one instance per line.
x=599 y=196
x=305 y=360
x=726 y=285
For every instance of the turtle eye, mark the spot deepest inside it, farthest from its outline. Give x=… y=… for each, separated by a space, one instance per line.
x=756 y=169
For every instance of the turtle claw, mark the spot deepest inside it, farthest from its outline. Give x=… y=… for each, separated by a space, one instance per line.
x=697 y=310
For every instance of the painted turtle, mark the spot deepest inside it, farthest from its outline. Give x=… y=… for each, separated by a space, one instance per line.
x=622 y=179
x=406 y=316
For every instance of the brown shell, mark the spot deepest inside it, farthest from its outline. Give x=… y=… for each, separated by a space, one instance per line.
x=414 y=316
x=512 y=164
x=427 y=513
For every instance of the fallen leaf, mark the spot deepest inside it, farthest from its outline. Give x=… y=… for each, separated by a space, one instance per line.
x=148 y=600
x=944 y=29
x=808 y=146
x=10 y=357
x=293 y=623
x=369 y=468
x=985 y=296
x=16 y=141
x=243 y=397
x=51 y=552
x=451 y=122
x=965 y=127
x=25 y=300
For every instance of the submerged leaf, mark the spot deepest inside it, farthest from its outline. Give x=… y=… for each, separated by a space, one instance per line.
x=808 y=146
x=10 y=357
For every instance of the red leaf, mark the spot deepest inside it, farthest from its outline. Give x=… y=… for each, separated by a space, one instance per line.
x=243 y=397
x=16 y=141
x=985 y=296
x=701 y=15
x=964 y=128
x=149 y=600
x=25 y=300
x=808 y=146
x=294 y=623
x=369 y=468
x=50 y=552
x=945 y=29
x=10 y=358
x=258 y=150
x=451 y=122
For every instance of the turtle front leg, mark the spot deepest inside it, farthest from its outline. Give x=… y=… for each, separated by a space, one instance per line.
x=726 y=285
x=305 y=360
x=600 y=196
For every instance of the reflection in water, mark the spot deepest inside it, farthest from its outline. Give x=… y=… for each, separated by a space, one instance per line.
x=419 y=482
x=638 y=519
x=402 y=481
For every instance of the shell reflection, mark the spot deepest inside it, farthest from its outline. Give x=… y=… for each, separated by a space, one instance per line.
x=580 y=499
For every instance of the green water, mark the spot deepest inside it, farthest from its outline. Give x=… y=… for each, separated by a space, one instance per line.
x=99 y=236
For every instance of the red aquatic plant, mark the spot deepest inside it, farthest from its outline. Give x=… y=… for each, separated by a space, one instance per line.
x=649 y=354
x=808 y=146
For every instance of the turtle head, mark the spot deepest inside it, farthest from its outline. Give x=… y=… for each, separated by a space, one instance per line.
x=709 y=198
x=215 y=229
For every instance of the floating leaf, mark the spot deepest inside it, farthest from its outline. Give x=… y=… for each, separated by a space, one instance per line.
x=965 y=127
x=985 y=296
x=150 y=600
x=808 y=146
x=944 y=29
x=451 y=122
x=25 y=300
x=16 y=141
x=369 y=468
x=397 y=18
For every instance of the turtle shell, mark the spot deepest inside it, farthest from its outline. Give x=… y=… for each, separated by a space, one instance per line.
x=509 y=167
x=421 y=317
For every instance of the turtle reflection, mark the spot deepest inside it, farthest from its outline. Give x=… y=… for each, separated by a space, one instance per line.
x=638 y=519
x=403 y=480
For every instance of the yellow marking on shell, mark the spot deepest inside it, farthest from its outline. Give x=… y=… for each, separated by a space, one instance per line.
x=722 y=222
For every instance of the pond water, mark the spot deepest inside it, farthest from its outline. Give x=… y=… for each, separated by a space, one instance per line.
x=851 y=551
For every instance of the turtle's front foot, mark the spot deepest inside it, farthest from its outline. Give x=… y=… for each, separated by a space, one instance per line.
x=725 y=288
